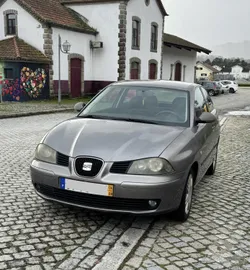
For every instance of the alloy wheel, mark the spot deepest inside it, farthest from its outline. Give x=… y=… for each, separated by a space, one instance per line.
x=189 y=193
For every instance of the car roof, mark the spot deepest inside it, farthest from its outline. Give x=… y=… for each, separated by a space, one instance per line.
x=159 y=83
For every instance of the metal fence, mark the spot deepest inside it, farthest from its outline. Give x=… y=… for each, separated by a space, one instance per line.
x=219 y=77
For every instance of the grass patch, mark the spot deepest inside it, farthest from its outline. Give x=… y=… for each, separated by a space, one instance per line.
x=244 y=85
x=64 y=101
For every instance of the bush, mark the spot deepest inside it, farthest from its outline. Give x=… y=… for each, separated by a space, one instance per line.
x=244 y=85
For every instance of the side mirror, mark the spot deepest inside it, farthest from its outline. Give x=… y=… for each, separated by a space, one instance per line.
x=79 y=106
x=206 y=117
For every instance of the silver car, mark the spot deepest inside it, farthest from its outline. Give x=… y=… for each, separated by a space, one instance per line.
x=137 y=147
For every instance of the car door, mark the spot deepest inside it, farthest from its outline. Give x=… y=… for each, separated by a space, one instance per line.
x=203 y=133
x=215 y=126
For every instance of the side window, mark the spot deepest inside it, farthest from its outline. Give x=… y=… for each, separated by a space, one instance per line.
x=199 y=103
x=210 y=104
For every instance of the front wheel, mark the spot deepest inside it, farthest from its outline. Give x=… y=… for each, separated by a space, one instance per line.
x=211 y=93
x=231 y=90
x=182 y=213
x=212 y=168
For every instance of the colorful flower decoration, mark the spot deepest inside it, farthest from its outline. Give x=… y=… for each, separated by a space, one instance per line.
x=33 y=81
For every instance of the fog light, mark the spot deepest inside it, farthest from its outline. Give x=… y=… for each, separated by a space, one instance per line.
x=152 y=204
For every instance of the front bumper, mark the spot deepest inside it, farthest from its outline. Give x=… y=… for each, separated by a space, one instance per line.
x=131 y=193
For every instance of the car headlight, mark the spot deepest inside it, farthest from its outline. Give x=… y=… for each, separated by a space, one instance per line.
x=45 y=153
x=151 y=166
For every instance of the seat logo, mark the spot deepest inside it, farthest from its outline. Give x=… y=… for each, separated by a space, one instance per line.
x=87 y=166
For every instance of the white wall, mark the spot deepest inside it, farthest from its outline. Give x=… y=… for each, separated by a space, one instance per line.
x=80 y=45
x=147 y=14
x=172 y=55
x=204 y=70
x=245 y=75
x=105 y=18
x=237 y=69
x=27 y=25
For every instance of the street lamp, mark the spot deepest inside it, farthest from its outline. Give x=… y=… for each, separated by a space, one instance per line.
x=64 y=48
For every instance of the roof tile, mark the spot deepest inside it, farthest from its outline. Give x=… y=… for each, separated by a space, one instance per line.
x=16 y=49
x=55 y=13
x=159 y=2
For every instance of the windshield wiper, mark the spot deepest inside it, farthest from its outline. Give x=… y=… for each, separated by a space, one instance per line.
x=119 y=119
x=95 y=116
x=139 y=121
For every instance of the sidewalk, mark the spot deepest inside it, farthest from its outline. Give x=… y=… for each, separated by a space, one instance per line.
x=18 y=109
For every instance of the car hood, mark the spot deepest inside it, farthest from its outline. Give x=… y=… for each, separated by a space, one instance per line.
x=110 y=140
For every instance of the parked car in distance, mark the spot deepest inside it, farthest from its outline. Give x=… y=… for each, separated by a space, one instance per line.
x=231 y=85
x=224 y=88
x=137 y=147
x=212 y=87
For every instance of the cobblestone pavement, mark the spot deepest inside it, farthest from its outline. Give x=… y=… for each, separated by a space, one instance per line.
x=35 y=234
x=217 y=234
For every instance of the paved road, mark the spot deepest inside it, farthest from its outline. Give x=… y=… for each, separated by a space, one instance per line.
x=232 y=102
x=35 y=234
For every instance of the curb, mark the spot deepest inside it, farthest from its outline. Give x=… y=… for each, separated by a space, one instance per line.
x=223 y=122
x=17 y=115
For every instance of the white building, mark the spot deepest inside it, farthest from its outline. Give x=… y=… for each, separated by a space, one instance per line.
x=179 y=58
x=110 y=40
x=240 y=73
x=217 y=67
x=205 y=71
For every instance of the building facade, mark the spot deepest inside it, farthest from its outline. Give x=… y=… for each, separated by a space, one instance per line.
x=110 y=40
x=179 y=58
x=205 y=71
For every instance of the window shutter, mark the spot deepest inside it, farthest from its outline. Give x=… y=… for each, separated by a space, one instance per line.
x=5 y=25
x=16 y=26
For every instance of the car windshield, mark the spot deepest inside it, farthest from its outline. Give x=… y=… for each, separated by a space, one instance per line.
x=140 y=104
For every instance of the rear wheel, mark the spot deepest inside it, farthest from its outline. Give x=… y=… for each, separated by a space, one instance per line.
x=182 y=213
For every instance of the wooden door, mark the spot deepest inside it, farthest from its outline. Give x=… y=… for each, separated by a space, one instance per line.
x=76 y=77
x=134 y=72
x=177 y=76
x=152 y=71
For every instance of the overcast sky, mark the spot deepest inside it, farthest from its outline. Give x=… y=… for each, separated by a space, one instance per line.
x=208 y=23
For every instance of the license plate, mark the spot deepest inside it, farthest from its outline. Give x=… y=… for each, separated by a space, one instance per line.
x=86 y=187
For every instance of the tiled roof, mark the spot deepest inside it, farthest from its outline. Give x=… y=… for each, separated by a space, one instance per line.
x=209 y=67
x=171 y=40
x=54 y=13
x=159 y=2
x=12 y=49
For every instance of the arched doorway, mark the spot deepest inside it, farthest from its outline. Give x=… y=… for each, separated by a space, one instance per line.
x=177 y=75
x=75 y=77
x=134 y=72
x=152 y=71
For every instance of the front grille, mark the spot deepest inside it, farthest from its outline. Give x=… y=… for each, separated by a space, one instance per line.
x=95 y=201
x=94 y=166
x=62 y=160
x=120 y=167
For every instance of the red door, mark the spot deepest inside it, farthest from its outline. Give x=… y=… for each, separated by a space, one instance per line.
x=152 y=71
x=177 y=76
x=76 y=77
x=134 y=72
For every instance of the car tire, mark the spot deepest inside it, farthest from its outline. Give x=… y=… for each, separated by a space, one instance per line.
x=211 y=93
x=231 y=90
x=222 y=92
x=211 y=170
x=182 y=213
